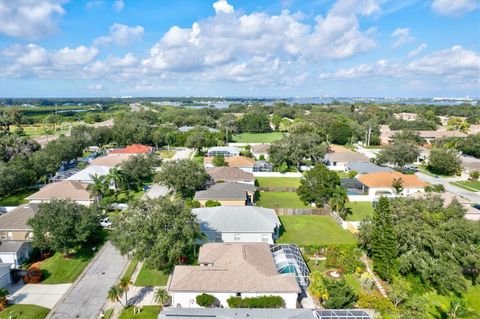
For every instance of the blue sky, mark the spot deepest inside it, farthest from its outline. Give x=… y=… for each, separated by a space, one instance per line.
x=389 y=48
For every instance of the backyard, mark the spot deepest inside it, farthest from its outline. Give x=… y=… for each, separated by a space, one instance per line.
x=257 y=137
x=360 y=210
x=278 y=181
x=24 y=312
x=151 y=277
x=146 y=312
x=17 y=198
x=473 y=186
x=280 y=200
x=313 y=229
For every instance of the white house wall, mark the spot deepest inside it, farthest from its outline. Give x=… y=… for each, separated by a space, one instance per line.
x=244 y=237
x=372 y=192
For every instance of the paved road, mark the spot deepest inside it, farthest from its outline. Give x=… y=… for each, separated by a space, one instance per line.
x=474 y=197
x=89 y=293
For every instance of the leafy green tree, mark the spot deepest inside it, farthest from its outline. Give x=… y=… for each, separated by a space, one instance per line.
x=319 y=185
x=408 y=136
x=340 y=133
x=384 y=244
x=12 y=145
x=470 y=145
x=139 y=168
x=399 y=290
x=255 y=123
x=400 y=154
x=219 y=160
x=162 y=232
x=340 y=294
x=397 y=185
x=183 y=176
x=444 y=161
x=63 y=225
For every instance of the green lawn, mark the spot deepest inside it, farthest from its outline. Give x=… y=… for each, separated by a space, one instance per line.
x=280 y=200
x=148 y=312
x=108 y=313
x=24 y=312
x=151 y=277
x=360 y=210
x=278 y=181
x=131 y=267
x=18 y=198
x=165 y=153
x=468 y=185
x=354 y=283
x=312 y=229
x=60 y=270
x=257 y=137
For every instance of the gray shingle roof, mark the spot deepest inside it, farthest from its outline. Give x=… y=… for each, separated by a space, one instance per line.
x=230 y=174
x=364 y=168
x=237 y=219
x=346 y=157
x=225 y=313
x=17 y=218
x=11 y=246
x=234 y=191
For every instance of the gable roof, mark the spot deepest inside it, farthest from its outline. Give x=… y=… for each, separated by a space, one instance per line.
x=230 y=174
x=385 y=179
x=110 y=160
x=364 y=168
x=234 y=161
x=233 y=267
x=346 y=157
x=17 y=218
x=134 y=149
x=439 y=134
x=228 y=190
x=72 y=190
x=260 y=148
x=12 y=246
x=243 y=219
x=85 y=175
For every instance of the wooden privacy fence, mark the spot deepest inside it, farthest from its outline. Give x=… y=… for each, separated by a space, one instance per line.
x=302 y=211
x=278 y=189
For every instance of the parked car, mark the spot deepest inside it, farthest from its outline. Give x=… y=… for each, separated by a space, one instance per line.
x=105 y=222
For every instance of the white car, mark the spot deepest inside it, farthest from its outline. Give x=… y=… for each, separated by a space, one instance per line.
x=105 y=222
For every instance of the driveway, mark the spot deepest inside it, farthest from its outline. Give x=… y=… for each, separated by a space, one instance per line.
x=89 y=293
x=473 y=197
x=181 y=154
x=37 y=294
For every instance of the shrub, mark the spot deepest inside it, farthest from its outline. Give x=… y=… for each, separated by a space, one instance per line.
x=257 y=302
x=474 y=176
x=219 y=160
x=352 y=174
x=345 y=258
x=212 y=203
x=375 y=301
x=437 y=188
x=261 y=157
x=206 y=300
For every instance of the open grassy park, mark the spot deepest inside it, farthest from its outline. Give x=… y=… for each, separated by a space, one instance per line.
x=278 y=181
x=280 y=200
x=24 y=312
x=257 y=137
x=313 y=229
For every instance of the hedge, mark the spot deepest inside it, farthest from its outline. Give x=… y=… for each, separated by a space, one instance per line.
x=256 y=302
x=206 y=300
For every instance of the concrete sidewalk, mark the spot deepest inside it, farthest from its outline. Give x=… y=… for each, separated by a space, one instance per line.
x=37 y=294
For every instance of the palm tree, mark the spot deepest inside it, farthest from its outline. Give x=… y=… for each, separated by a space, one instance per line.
x=161 y=296
x=114 y=294
x=124 y=284
x=116 y=176
x=337 y=201
x=98 y=187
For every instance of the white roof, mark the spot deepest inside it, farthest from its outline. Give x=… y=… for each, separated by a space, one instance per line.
x=86 y=174
x=245 y=219
x=230 y=149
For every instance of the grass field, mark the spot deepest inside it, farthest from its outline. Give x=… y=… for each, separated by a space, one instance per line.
x=468 y=185
x=151 y=277
x=280 y=200
x=311 y=229
x=257 y=137
x=18 y=198
x=360 y=210
x=24 y=312
x=471 y=298
x=278 y=181
x=147 y=312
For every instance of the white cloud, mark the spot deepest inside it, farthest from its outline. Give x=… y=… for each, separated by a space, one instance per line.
x=416 y=51
x=121 y=35
x=401 y=36
x=454 y=8
x=30 y=19
x=222 y=6
x=362 y=7
x=118 y=5
x=76 y=56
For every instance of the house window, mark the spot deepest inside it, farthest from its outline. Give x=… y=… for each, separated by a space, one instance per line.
x=238 y=294
x=237 y=237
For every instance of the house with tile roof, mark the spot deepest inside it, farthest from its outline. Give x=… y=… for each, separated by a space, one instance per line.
x=338 y=161
x=232 y=270
x=111 y=160
x=133 y=149
x=230 y=174
x=259 y=150
x=64 y=190
x=244 y=163
x=381 y=183
x=228 y=194
x=245 y=224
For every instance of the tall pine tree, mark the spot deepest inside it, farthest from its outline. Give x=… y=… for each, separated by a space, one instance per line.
x=384 y=241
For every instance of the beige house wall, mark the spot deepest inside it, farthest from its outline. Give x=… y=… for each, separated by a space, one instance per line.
x=15 y=235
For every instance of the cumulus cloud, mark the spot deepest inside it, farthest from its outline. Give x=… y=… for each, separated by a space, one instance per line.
x=118 y=5
x=401 y=36
x=121 y=35
x=417 y=51
x=222 y=6
x=454 y=8
x=75 y=56
x=29 y=19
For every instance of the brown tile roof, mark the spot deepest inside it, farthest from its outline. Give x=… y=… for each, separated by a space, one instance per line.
x=234 y=161
x=439 y=134
x=72 y=190
x=338 y=148
x=260 y=148
x=17 y=218
x=134 y=149
x=230 y=174
x=385 y=179
x=233 y=267
x=110 y=160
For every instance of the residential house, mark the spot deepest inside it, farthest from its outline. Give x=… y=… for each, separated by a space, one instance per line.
x=14 y=252
x=246 y=164
x=111 y=160
x=338 y=161
x=13 y=224
x=381 y=183
x=259 y=150
x=406 y=116
x=230 y=174
x=133 y=149
x=246 y=224
x=5 y=277
x=470 y=164
x=367 y=167
x=430 y=136
x=86 y=175
x=262 y=166
x=64 y=190
x=228 y=194
x=232 y=270
x=226 y=151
